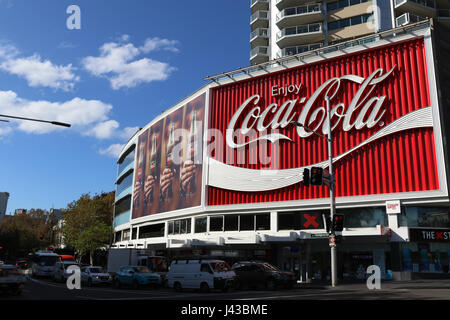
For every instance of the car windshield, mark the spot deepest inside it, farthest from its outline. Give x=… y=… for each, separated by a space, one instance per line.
x=96 y=270
x=220 y=266
x=141 y=270
x=269 y=267
x=47 y=261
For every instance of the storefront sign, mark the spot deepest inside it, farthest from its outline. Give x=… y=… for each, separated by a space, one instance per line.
x=393 y=207
x=429 y=235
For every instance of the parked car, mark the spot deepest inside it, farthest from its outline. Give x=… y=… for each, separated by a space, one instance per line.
x=261 y=274
x=95 y=275
x=11 y=279
x=23 y=264
x=200 y=274
x=61 y=272
x=136 y=276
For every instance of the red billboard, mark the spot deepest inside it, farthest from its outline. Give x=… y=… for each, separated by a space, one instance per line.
x=381 y=120
x=168 y=171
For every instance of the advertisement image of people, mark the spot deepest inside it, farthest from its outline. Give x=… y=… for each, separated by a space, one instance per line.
x=169 y=157
x=191 y=168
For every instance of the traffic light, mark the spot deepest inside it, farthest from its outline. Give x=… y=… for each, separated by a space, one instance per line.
x=338 y=222
x=41 y=236
x=50 y=248
x=316 y=176
x=306 y=177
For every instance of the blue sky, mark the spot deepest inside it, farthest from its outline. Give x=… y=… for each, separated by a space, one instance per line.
x=131 y=60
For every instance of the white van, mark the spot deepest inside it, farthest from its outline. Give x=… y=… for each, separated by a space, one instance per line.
x=200 y=274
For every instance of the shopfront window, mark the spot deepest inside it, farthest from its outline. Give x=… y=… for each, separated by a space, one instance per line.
x=231 y=223
x=151 y=231
x=247 y=222
x=216 y=223
x=426 y=217
x=200 y=225
x=426 y=257
x=364 y=217
x=263 y=221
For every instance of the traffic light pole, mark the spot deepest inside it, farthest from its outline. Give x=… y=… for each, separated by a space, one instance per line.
x=332 y=236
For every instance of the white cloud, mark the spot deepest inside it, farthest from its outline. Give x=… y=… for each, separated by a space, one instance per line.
x=117 y=63
x=41 y=73
x=112 y=151
x=153 y=44
x=104 y=130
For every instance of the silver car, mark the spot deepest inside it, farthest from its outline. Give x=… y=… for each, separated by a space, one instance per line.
x=93 y=275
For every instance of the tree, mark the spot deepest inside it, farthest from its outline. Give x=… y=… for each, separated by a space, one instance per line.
x=87 y=223
x=19 y=234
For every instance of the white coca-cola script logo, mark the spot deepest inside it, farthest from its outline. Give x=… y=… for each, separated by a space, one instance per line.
x=369 y=111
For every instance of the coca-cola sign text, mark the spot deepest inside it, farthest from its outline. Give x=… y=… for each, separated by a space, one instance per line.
x=367 y=108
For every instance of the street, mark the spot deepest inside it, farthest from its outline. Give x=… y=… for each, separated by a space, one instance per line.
x=44 y=289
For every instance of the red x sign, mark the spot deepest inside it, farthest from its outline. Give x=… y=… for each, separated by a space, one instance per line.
x=310 y=220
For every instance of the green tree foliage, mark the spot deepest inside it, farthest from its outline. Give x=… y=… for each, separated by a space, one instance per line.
x=19 y=234
x=87 y=223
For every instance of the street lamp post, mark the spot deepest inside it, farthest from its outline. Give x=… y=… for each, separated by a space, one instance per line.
x=332 y=235
x=56 y=123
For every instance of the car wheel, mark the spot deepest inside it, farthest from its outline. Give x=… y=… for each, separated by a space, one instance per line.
x=177 y=287
x=117 y=283
x=270 y=284
x=135 y=285
x=89 y=282
x=237 y=285
x=204 y=287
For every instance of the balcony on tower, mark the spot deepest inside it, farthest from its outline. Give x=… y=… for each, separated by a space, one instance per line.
x=422 y=8
x=309 y=33
x=256 y=5
x=259 y=37
x=299 y=15
x=260 y=19
x=259 y=55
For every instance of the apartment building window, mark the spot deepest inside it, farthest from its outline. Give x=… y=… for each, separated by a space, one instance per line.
x=127 y=158
x=134 y=234
x=123 y=205
x=350 y=21
x=125 y=182
x=343 y=3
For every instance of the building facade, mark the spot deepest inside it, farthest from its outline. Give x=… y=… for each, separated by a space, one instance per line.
x=285 y=27
x=4 y=196
x=220 y=174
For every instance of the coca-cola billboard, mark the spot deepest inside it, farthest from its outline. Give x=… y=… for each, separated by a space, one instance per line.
x=168 y=173
x=381 y=118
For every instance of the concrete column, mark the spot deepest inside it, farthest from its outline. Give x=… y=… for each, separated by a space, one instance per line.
x=273 y=222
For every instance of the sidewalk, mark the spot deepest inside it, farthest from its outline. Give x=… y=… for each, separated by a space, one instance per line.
x=385 y=285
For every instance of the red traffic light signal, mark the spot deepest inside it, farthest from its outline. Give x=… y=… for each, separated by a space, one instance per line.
x=338 y=222
x=41 y=236
x=1 y=247
x=316 y=176
x=51 y=248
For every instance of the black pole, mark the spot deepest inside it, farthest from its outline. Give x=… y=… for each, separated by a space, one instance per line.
x=56 y=123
